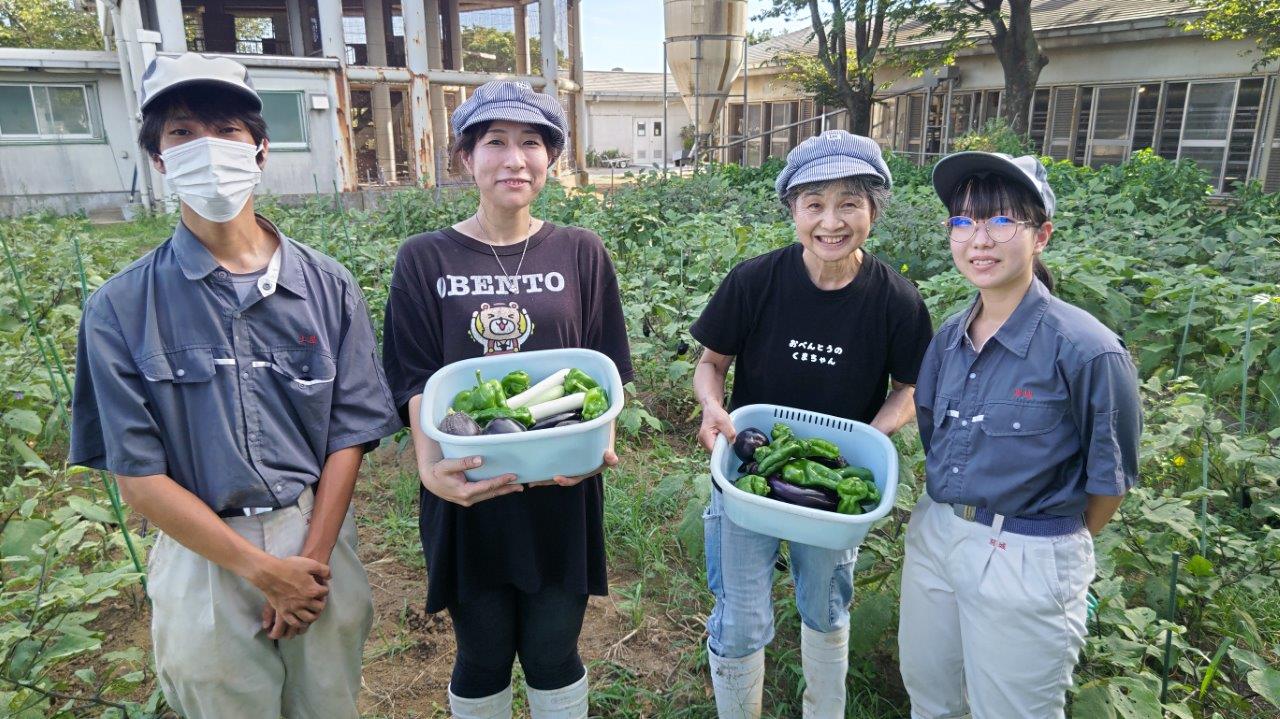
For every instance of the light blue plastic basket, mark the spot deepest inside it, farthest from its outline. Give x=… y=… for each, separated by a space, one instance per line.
x=531 y=456
x=859 y=443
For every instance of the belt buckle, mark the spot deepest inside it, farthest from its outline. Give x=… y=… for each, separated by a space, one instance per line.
x=969 y=512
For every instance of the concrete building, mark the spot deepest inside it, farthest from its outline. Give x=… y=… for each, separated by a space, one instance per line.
x=1122 y=75
x=625 y=115
x=356 y=93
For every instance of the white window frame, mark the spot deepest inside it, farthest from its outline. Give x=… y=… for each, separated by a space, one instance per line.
x=302 y=120
x=1225 y=142
x=1127 y=140
x=92 y=112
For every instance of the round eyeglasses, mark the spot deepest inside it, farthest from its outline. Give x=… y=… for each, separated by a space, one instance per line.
x=999 y=228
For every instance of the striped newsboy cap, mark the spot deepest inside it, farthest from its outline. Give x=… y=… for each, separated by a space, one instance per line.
x=514 y=102
x=830 y=156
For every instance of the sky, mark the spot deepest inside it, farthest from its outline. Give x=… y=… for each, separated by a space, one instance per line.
x=628 y=33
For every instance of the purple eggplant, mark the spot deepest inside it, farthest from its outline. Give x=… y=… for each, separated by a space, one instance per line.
x=752 y=467
x=840 y=463
x=555 y=420
x=503 y=425
x=459 y=423
x=812 y=497
x=747 y=441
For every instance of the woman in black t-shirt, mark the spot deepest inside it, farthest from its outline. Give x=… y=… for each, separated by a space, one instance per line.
x=513 y=564
x=820 y=325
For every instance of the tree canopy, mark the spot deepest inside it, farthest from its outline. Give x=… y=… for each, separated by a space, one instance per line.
x=47 y=24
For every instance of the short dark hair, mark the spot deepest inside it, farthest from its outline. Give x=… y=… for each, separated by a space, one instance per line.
x=204 y=103
x=873 y=189
x=465 y=142
x=983 y=196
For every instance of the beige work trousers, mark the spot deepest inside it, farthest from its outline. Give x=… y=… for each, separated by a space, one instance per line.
x=214 y=659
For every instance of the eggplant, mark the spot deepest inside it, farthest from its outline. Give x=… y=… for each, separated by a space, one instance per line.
x=752 y=467
x=567 y=422
x=840 y=463
x=504 y=425
x=812 y=497
x=555 y=420
x=748 y=440
x=459 y=423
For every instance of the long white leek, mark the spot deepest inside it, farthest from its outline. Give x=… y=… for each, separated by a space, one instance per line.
x=568 y=403
x=526 y=397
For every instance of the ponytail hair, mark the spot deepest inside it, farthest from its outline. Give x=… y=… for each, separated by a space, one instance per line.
x=1043 y=274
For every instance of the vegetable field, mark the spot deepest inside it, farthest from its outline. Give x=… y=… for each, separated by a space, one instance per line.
x=1187 y=622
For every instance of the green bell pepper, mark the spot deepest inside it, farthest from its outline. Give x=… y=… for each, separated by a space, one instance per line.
x=578 y=381
x=520 y=414
x=808 y=473
x=515 y=382
x=753 y=483
x=793 y=473
x=462 y=401
x=595 y=404
x=779 y=456
x=852 y=472
x=820 y=448
x=781 y=433
x=486 y=395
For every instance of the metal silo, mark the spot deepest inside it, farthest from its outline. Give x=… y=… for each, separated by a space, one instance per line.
x=705 y=49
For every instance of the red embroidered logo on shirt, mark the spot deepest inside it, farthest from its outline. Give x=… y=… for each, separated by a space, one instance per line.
x=1020 y=393
x=308 y=339
x=1001 y=545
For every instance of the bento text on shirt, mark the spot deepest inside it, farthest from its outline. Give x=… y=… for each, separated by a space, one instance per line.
x=499 y=285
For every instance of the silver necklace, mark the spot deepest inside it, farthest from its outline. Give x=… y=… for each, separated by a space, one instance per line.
x=489 y=241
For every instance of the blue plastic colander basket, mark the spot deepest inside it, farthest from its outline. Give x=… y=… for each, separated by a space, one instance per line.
x=531 y=456
x=859 y=443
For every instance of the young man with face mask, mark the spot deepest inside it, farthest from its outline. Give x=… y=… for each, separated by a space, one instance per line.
x=228 y=379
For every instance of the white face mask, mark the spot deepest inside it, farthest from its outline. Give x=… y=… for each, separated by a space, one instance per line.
x=215 y=177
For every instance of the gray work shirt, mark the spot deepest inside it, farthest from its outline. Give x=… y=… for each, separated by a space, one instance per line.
x=1047 y=413
x=239 y=402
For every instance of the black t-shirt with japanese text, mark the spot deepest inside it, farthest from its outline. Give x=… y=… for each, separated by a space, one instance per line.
x=451 y=299
x=828 y=351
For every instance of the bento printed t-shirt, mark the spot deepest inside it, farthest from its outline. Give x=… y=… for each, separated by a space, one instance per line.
x=451 y=300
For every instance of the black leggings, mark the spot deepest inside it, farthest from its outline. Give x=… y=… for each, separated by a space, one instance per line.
x=492 y=627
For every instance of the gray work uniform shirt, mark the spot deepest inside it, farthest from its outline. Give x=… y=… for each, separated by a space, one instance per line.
x=1046 y=414
x=239 y=401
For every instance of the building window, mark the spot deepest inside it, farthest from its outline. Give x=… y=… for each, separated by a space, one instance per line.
x=780 y=115
x=935 y=119
x=1039 y=119
x=1146 y=117
x=962 y=115
x=657 y=129
x=286 y=120
x=1244 y=127
x=49 y=113
x=1175 y=101
x=1206 y=126
x=990 y=106
x=640 y=128
x=1062 y=124
x=1112 y=119
x=755 y=124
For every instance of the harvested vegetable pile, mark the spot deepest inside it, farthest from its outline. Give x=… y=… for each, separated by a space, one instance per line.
x=805 y=472
x=510 y=404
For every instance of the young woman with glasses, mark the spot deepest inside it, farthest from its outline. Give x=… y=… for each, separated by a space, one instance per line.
x=1029 y=416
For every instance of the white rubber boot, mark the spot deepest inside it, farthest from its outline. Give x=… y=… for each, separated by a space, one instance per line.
x=738 y=684
x=565 y=703
x=494 y=706
x=825 y=659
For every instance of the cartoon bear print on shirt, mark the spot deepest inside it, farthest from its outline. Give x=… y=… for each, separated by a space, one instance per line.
x=501 y=327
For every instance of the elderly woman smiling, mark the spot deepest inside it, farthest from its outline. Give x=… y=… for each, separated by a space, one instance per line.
x=821 y=325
